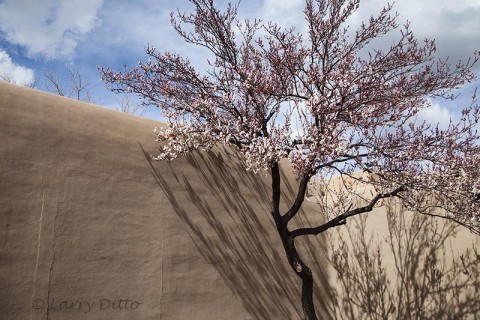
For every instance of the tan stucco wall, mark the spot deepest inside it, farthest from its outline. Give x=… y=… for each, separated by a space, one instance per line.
x=91 y=229
x=87 y=221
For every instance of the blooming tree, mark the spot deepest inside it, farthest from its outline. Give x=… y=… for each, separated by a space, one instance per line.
x=326 y=101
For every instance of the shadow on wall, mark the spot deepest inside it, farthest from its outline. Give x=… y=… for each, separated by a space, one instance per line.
x=241 y=243
x=427 y=278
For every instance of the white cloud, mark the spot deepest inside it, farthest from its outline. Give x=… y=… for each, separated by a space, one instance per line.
x=287 y=13
x=136 y=23
x=125 y=41
x=436 y=114
x=454 y=24
x=48 y=28
x=15 y=73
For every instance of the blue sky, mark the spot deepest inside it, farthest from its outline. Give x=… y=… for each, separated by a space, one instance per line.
x=40 y=35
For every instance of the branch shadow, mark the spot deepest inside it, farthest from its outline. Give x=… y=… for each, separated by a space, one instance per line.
x=426 y=279
x=236 y=234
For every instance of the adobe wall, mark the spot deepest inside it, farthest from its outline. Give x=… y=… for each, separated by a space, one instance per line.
x=91 y=229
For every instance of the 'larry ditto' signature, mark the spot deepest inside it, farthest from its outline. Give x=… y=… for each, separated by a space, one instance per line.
x=85 y=305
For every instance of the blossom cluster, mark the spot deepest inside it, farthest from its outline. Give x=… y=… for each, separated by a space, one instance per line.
x=316 y=100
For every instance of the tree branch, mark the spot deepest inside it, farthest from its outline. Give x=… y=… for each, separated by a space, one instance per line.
x=275 y=192
x=342 y=219
x=472 y=229
x=302 y=189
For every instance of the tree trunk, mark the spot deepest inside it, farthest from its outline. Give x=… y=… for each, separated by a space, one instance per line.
x=300 y=269
x=307 y=294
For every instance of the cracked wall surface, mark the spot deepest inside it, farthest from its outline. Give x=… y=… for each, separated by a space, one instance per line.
x=91 y=229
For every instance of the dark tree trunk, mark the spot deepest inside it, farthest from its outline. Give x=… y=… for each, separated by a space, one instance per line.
x=307 y=295
x=298 y=266
x=302 y=271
